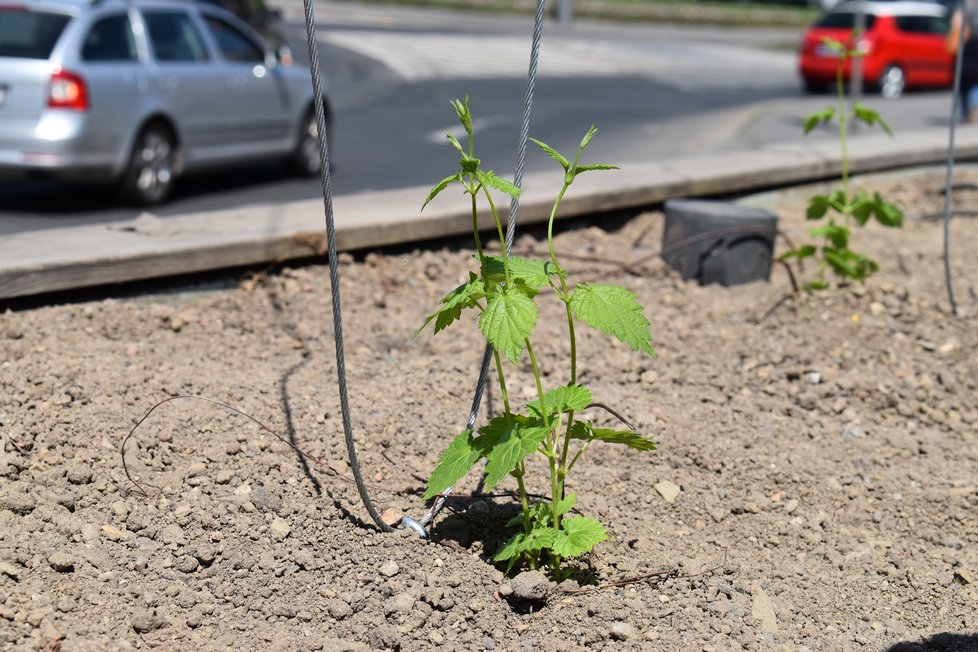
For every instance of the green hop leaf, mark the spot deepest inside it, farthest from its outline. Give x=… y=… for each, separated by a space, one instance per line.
x=588 y=136
x=818 y=206
x=814 y=286
x=837 y=235
x=441 y=185
x=453 y=464
x=862 y=208
x=615 y=311
x=567 y=504
x=816 y=118
x=573 y=398
x=586 y=431
x=507 y=322
x=577 y=535
x=457 y=145
x=463 y=113
x=801 y=252
x=870 y=117
x=492 y=180
x=507 y=440
x=464 y=296
x=886 y=213
x=534 y=273
x=552 y=153
x=597 y=166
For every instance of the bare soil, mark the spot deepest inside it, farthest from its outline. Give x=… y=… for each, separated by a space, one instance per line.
x=824 y=450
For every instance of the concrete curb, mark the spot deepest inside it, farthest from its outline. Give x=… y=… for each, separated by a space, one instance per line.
x=148 y=247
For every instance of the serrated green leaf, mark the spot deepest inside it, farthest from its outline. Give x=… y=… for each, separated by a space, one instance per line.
x=507 y=322
x=464 y=296
x=803 y=251
x=837 y=201
x=469 y=164
x=586 y=431
x=837 y=235
x=512 y=548
x=818 y=206
x=453 y=464
x=539 y=538
x=578 y=534
x=534 y=272
x=862 y=208
x=441 y=185
x=507 y=440
x=886 y=213
x=823 y=116
x=551 y=152
x=870 y=117
x=565 y=398
x=567 y=504
x=492 y=180
x=813 y=286
x=597 y=166
x=615 y=311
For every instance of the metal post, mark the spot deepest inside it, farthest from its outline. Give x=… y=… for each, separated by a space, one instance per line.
x=564 y=11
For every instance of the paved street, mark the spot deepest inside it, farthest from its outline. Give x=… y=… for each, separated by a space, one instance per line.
x=654 y=92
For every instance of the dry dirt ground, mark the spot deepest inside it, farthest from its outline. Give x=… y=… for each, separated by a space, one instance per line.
x=825 y=454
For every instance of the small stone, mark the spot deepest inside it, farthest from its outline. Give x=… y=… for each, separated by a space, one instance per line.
x=279 y=528
x=489 y=643
x=852 y=431
x=622 y=631
x=338 y=609
x=147 y=620
x=140 y=563
x=762 y=608
x=113 y=533
x=389 y=568
x=877 y=309
x=188 y=565
x=182 y=510
x=89 y=533
x=79 y=473
x=668 y=490
x=962 y=576
x=391 y=516
x=173 y=533
x=61 y=562
x=505 y=590
x=435 y=637
x=790 y=506
x=402 y=602
x=446 y=604
x=531 y=585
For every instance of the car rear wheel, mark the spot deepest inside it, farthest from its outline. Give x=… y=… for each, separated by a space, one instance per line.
x=304 y=160
x=892 y=82
x=149 y=177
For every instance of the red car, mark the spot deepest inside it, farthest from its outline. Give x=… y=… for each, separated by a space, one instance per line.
x=903 y=46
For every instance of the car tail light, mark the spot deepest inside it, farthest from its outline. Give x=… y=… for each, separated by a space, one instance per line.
x=864 y=45
x=67 y=91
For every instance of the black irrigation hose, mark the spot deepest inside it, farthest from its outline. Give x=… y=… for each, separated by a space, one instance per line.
x=949 y=187
x=334 y=278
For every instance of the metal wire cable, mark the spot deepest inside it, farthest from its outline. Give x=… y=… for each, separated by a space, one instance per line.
x=480 y=388
x=334 y=278
x=949 y=186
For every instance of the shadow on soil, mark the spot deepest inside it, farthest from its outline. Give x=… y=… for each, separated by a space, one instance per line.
x=945 y=642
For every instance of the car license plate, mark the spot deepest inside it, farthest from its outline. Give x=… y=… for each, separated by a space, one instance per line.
x=826 y=52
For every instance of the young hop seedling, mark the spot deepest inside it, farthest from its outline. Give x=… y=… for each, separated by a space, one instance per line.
x=503 y=293
x=834 y=253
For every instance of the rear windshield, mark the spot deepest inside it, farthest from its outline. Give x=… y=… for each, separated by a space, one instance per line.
x=29 y=34
x=843 y=20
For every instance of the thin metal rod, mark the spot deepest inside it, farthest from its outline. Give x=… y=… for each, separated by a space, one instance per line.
x=334 y=278
x=949 y=181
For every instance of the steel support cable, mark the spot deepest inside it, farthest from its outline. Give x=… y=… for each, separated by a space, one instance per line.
x=949 y=181
x=334 y=278
x=531 y=79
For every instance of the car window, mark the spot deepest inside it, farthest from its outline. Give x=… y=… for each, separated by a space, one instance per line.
x=110 y=39
x=233 y=44
x=843 y=20
x=923 y=24
x=29 y=34
x=174 y=37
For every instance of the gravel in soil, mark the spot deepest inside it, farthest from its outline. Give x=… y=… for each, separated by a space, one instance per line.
x=816 y=485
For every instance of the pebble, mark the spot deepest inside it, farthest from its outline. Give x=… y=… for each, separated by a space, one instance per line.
x=89 y=533
x=338 y=609
x=279 y=528
x=79 y=473
x=173 y=533
x=622 y=631
x=389 y=568
x=147 y=620
x=531 y=585
x=668 y=490
x=113 y=533
x=762 y=608
x=11 y=571
x=402 y=602
x=61 y=562
x=188 y=564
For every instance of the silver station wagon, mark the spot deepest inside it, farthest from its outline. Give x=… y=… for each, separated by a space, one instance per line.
x=137 y=93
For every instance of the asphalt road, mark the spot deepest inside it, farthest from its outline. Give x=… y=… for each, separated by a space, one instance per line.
x=652 y=92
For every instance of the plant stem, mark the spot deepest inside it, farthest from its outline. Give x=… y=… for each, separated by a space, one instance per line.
x=499 y=230
x=502 y=381
x=843 y=124
x=524 y=501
